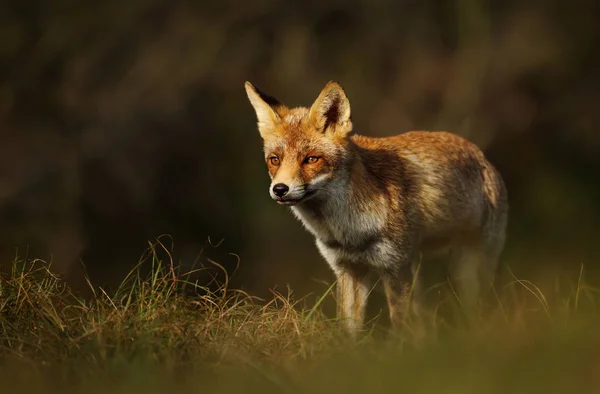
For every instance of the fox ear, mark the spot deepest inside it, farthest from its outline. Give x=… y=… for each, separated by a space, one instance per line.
x=266 y=109
x=331 y=111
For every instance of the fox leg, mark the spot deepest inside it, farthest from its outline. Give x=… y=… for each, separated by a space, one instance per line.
x=403 y=292
x=467 y=267
x=495 y=237
x=352 y=290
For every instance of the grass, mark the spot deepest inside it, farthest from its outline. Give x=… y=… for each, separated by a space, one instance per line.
x=162 y=331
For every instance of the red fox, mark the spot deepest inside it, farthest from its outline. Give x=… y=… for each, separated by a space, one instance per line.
x=379 y=205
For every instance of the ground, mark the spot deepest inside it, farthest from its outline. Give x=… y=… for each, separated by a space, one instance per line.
x=160 y=332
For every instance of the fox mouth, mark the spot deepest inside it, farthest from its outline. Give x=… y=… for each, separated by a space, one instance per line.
x=294 y=201
x=288 y=202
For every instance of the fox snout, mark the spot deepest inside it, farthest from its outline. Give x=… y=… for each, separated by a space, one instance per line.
x=287 y=194
x=293 y=193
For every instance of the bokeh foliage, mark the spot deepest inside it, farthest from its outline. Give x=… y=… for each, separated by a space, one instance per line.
x=120 y=121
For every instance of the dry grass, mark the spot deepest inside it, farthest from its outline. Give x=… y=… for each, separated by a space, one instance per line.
x=162 y=332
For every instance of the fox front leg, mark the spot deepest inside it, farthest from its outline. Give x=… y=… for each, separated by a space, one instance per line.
x=403 y=293
x=352 y=292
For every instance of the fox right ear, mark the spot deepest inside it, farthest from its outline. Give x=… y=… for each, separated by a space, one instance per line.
x=266 y=109
x=331 y=111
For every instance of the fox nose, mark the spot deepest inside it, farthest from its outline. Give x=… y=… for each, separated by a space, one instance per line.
x=280 y=189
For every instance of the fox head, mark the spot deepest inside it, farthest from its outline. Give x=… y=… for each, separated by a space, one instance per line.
x=304 y=148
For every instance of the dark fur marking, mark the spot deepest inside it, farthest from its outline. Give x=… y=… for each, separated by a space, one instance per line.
x=272 y=101
x=332 y=114
x=361 y=247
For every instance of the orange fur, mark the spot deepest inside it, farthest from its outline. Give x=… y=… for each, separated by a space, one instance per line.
x=376 y=205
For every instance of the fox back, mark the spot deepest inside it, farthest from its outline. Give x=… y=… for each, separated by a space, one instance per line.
x=378 y=205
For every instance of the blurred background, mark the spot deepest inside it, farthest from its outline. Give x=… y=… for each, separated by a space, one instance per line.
x=122 y=121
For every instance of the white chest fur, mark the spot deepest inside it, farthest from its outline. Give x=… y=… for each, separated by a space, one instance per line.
x=350 y=234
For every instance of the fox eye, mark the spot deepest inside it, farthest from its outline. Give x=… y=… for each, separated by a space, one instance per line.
x=311 y=159
x=274 y=160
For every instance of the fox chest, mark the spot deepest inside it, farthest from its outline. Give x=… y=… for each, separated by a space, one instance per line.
x=349 y=236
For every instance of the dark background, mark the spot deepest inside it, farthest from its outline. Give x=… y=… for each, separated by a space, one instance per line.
x=124 y=120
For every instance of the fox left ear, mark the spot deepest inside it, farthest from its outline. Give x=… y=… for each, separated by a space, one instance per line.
x=331 y=111
x=266 y=108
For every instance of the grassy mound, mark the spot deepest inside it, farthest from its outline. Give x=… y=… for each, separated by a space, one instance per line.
x=161 y=331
